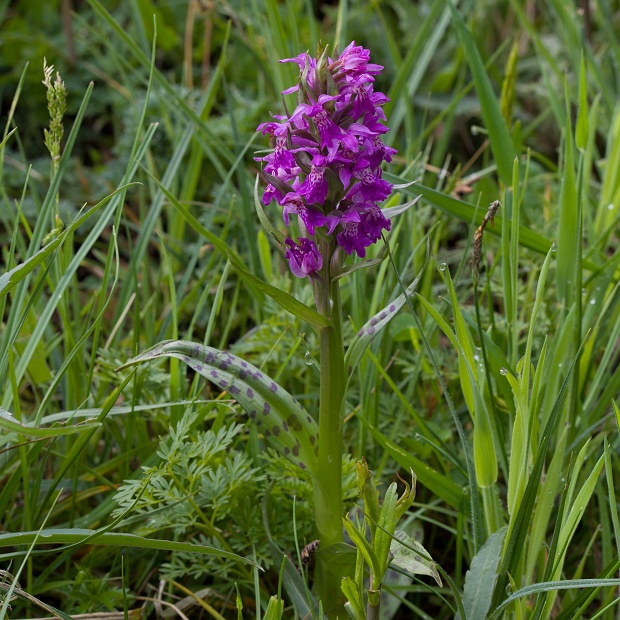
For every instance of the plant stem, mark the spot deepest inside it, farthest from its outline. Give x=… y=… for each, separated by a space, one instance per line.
x=328 y=483
x=328 y=510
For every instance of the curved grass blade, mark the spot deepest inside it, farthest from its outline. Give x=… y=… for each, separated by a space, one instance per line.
x=283 y=421
x=442 y=486
x=288 y=302
x=9 y=423
x=549 y=586
x=75 y=536
x=9 y=279
x=501 y=140
x=17 y=591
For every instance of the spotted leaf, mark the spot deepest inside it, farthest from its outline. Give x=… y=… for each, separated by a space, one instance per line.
x=375 y=325
x=284 y=423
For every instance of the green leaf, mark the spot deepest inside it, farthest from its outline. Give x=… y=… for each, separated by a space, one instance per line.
x=441 y=485
x=568 y=251
x=581 y=130
x=355 y=605
x=549 y=586
x=339 y=554
x=371 y=262
x=370 y=329
x=408 y=554
x=283 y=421
x=363 y=547
x=9 y=423
x=481 y=577
x=112 y=539
x=9 y=279
x=468 y=214
x=288 y=302
x=275 y=609
x=264 y=220
x=212 y=238
x=501 y=141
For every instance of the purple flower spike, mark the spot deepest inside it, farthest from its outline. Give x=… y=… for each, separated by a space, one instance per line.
x=304 y=258
x=326 y=163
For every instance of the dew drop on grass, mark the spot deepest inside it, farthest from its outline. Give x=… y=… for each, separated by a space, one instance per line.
x=442 y=266
x=554 y=247
x=503 y=371
x=610 y=206
x=592 y=302
x=308 y=358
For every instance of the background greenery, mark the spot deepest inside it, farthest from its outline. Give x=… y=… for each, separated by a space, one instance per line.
x=165 y=149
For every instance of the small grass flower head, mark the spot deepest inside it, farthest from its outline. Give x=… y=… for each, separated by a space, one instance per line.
x=326 y=164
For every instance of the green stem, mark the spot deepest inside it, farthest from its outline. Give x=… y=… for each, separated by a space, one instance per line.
x=328 y=509
x=328 y=483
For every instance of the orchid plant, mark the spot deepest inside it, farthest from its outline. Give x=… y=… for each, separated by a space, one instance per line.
x=325 y=168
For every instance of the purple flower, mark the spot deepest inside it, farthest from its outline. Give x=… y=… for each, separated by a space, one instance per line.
x=314 y=188
x=303 y=258
x=371 y=187
x=310 y=216
x=352 y=238
x=327 y=157
x=373 y=223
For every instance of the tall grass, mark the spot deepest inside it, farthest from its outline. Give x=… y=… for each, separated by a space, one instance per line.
x=147 y=489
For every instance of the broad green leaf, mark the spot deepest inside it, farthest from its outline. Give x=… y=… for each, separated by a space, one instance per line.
x=407 y=553
x=288 y=302
x=283 y=421
x=481 y=577
x=75 y=536
x=339 y=554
